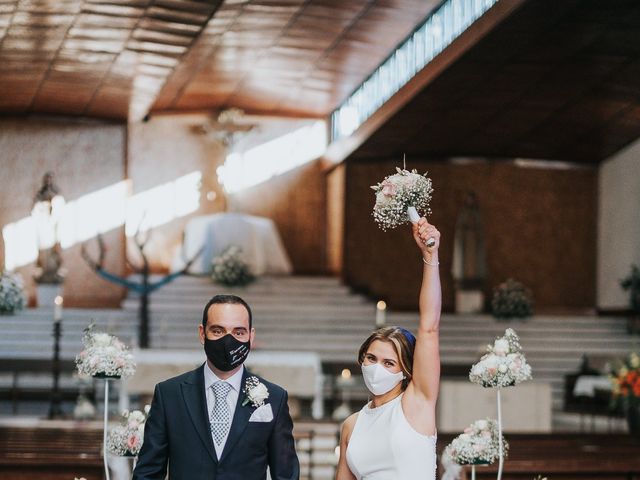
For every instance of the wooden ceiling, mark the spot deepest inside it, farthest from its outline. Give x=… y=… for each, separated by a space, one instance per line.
x=122 y=59
x=556 y=80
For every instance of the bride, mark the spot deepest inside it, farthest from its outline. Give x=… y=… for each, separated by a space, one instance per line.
x=393 y=437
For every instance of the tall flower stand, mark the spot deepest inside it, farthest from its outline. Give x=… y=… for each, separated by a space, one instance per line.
x=106 y=420
x=500 y=445
x=473 y=469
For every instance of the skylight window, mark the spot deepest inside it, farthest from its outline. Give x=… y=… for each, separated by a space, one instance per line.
x=441 y=28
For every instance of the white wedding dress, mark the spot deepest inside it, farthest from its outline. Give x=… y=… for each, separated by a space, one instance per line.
x=383 y=446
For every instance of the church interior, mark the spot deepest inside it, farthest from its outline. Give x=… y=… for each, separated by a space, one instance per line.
x=158 y=152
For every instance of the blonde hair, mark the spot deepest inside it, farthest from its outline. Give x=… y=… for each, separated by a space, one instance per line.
x=404 y=348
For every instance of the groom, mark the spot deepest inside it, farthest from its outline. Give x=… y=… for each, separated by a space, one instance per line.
x=219 y=421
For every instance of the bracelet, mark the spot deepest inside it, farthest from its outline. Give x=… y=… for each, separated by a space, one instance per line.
x=430 y=264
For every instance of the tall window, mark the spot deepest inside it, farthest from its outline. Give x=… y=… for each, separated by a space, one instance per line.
x=441 y=28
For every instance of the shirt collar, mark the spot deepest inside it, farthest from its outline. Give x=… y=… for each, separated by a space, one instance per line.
x=234 y=380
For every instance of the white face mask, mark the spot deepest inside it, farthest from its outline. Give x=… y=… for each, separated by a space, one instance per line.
x=379 y=380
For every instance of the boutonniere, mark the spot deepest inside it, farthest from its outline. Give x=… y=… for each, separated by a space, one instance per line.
x=255 y=392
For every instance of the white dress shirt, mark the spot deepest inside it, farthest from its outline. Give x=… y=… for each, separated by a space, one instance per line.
x=232 y=398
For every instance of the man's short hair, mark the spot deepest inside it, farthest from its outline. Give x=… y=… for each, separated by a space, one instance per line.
x=225 y=299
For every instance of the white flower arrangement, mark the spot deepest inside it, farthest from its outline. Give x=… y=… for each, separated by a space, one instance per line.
x=125 y=440
x=398 y=192
x=230 y=269
x=477 y=445
x=256 y=392
x=104 y=356
x=511 y=299
x=504 y=364
x=12 y=297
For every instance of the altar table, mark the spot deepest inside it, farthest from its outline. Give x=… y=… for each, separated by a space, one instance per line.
x=300 y=373
x=258 y=237
x=525 y=407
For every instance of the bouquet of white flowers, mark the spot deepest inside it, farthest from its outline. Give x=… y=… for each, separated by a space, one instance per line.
x=12 y=298
x=477 y=445
x=104 y=356
x=230 y=269
x=396 y=193
x=125 y=440
x=503 y=365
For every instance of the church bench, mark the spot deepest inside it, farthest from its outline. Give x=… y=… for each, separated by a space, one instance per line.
x=566 y=457
x=31 y=379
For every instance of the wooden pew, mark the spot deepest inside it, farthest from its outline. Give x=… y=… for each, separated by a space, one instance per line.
x=19 y=391
x=565 y=457
x=57 y=451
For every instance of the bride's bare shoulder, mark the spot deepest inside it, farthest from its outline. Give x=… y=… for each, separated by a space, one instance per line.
x=348 y=424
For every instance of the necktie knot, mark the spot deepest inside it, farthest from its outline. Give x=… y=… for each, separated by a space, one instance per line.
x=221 y=390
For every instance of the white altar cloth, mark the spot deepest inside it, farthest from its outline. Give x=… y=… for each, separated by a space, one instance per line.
x=258 y=238
x=586 y=385
x=525 y=408
x=300 y=373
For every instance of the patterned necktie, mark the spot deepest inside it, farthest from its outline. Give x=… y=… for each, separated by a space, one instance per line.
x=220 y=416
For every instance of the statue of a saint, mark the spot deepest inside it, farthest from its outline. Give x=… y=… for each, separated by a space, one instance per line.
x=47 y=211
x=469 y=258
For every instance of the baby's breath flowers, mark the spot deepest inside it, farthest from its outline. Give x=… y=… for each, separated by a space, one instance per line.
x=478 y=444
x=511 y=299
x=104 y=355
x=125 y=439
x=230 y=269
x=503 y=365
x=398 y=192
x=12 y=297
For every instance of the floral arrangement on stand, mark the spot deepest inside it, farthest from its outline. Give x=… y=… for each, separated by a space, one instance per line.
x=625 y=392
x=230 y=269
x=12 y=297
x=104 y=356
x=625 y=379
x=125 y=439
x=477 y=445
x=511 y=299
x=504 y=364
x=396 y=193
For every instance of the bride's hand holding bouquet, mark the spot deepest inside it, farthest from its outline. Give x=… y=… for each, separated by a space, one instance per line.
x=427 y=238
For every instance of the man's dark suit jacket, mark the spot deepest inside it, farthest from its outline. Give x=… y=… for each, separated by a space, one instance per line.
x=177 y=432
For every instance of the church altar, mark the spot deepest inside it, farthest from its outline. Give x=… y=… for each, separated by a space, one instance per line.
x=526 y=408
x=300 y=373
x=258 y=237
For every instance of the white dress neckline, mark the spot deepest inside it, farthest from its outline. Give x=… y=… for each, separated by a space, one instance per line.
x=384 y=446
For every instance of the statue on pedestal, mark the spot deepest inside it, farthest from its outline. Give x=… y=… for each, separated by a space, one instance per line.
x=47 y=212
x=469 y=257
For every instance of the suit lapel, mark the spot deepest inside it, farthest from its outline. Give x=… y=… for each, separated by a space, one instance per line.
x=196 y=402
x=240 y=418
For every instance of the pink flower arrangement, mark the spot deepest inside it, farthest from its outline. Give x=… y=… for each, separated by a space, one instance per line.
x=104 y=355
x=503 y=365
x=125 y=439
x=478 y=444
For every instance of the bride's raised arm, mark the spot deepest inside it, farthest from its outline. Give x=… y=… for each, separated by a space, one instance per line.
x=426 y=360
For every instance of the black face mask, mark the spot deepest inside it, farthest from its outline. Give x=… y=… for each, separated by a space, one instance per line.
x=226 y=353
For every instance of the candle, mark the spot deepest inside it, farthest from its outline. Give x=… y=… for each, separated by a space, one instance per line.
x=345 y=377
x=381 y=312
x=57 y=310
